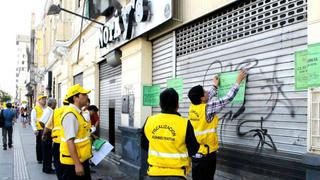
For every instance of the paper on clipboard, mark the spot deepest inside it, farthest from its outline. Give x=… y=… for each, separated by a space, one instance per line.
x=103 y=152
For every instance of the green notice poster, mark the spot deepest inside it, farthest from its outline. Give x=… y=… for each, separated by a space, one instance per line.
x=314 y=65
x=227 y=80
x=177 y=84
x=301 y=69
x=307 y=67
x=151 y=95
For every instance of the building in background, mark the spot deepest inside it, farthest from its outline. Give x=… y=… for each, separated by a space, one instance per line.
x=23 y=48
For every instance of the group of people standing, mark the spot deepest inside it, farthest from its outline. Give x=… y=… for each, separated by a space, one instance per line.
x=64 y=133
x=173 y=142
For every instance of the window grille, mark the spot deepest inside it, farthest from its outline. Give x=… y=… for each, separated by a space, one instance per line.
x=243 y=19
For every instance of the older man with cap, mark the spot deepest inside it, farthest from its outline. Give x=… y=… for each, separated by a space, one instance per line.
x=75 y=146
x=36 y=114
x=47 y=142
x=53 y=127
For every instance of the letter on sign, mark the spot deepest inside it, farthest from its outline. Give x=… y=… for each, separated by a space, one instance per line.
x=141 y=10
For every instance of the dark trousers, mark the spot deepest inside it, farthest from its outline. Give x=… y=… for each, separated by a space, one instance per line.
x=39 y=146
x=205 y=167
x=56 y=160
x=47 y=155
x=69 y=172
x=7 y=131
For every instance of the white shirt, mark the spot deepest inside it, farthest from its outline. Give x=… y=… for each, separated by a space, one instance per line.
x=70 y=124
x=86 y=115
x=47 y=114
x=34 y=119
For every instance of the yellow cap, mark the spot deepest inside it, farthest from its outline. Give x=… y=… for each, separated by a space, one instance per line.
x=75 y=89
x=41 y=96
x=65 y=101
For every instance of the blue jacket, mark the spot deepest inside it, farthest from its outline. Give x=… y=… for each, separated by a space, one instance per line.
x=8 y=115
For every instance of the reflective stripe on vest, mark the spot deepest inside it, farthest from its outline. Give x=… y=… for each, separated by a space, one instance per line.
x=76 y=140
x=198 y=133
x=205 y=132
x=56 y=128
x=168 y=152
x=168 y=155
x=81 y=140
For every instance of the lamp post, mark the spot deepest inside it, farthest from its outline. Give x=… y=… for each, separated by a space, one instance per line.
x=56 y=9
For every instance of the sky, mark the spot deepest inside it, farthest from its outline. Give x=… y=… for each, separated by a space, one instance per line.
x=15 y=18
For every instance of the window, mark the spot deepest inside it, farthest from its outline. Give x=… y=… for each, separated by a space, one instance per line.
x=314 y=121
x=78 y=79
x=22 y=62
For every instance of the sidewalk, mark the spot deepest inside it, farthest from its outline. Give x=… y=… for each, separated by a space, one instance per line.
x=19 y=163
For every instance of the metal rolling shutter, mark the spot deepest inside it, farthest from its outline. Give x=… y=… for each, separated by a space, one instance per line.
x=110 y=89
x=261 y=35
x=162 y=62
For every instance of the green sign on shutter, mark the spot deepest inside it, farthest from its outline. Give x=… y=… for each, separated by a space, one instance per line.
x=151 y=95
x=307 y=67
x=301 y=69
x=314 y=65
x=226 y=81
x=177 y=84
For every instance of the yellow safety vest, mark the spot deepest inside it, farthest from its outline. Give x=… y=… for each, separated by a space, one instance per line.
x=57 y=117
x=82 y=140
x=168 y=154
x=39 y=112
x=206 y=133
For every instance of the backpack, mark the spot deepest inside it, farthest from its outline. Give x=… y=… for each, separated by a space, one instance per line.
x=1 y=119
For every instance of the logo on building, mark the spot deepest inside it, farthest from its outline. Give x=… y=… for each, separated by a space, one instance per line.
x=122 y=23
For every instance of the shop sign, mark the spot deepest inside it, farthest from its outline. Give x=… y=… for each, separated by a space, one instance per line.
x=131 y=21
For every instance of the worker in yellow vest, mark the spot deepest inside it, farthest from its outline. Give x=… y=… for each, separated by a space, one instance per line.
x=169 y=140
x=203 y=117
x=53 y=127
x=75 y=145
x=36 y=114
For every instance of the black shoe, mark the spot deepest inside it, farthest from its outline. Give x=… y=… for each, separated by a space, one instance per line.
x=4 y=148
x=52 y=171
x=10 y=146
x=92 y=171
x=39 y=162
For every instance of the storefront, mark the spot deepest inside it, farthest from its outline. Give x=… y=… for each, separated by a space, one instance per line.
x=266 y=136
x=110 y=103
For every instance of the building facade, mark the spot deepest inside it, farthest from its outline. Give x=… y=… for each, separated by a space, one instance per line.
x=23 y=49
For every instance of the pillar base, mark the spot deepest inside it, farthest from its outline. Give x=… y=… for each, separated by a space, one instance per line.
x=133 y=159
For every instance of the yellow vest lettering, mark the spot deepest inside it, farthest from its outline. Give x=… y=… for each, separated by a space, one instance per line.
x=39 y=112
x=82 y=140
x=57 y=117
x=168 y=154
x=206 y=133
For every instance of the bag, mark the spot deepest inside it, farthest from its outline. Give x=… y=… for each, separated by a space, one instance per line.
x=1 y=119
